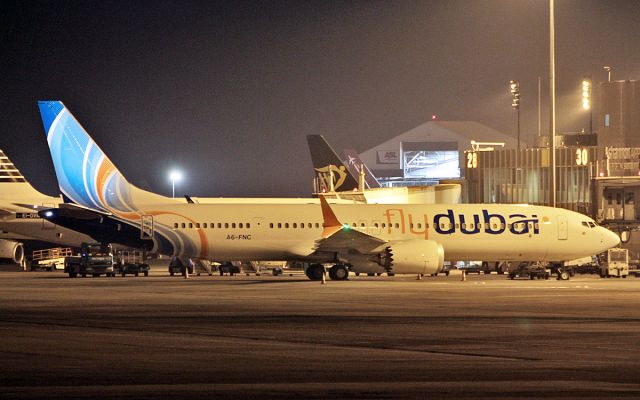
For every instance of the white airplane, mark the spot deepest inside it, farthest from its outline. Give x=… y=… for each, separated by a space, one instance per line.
x=19 y=219
x=400 y=239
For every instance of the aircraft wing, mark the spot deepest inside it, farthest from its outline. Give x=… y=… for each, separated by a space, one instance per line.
x=349 y=239
x=342 y=238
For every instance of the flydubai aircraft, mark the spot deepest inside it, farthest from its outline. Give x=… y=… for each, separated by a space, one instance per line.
x=400 y=239
x=19 y=219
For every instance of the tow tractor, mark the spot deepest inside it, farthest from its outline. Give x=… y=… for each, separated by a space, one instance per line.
x=95 y=259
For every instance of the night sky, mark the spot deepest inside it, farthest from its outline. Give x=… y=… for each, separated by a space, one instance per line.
x=227 y=91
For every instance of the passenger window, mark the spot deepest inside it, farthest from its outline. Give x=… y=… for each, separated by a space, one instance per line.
x=248 y=225
x=175 y=225
x=317 y=225
x=204 y=225
x=233 y=225
x=219 y=225
x=294 y=225
x=240 y=225
x=198 y=225
x=271 y=225
x=309 y=225
x=190 y=225
x=362 y=225
x=419 y=225
x=279 y=225
x=226 y=225
x=286 y=225
x=397 y=225
x=375 y=225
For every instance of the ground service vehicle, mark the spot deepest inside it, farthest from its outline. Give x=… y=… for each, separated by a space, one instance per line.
x=529 y=270
x=131 y=262
x=177 y=266
x=95 y=259
x=616 y=265
x=50 y=259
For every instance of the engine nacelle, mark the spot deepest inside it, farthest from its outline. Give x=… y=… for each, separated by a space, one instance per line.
x=11 y=250
x=415 y=256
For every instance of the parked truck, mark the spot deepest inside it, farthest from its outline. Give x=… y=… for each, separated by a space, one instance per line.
x=616 y=264
x=95 y=259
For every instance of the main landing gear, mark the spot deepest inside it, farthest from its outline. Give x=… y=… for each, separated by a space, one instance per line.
x=338 y=272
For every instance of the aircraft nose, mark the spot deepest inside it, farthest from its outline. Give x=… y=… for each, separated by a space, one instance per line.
x=609 y=238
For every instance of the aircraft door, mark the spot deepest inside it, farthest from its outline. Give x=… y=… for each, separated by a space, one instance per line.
x=146 y=227
x=563 y=228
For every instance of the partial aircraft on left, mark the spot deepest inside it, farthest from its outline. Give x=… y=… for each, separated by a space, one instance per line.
x=19 y=219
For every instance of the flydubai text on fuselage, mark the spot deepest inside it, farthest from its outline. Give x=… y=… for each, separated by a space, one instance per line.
x=398 y=238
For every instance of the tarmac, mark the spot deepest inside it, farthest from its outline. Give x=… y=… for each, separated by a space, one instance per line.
x=287 y=337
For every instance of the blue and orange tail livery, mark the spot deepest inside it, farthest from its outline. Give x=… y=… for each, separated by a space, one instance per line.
x=85 y=174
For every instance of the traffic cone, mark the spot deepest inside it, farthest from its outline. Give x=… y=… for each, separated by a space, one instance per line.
x=324 y=280
x=464 y=275
x=419 y=277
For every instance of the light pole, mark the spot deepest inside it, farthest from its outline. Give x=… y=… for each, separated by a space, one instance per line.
x=175 y=176
x=515 y=103
x=586 y=100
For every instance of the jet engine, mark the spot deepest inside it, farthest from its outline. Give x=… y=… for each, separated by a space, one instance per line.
x=11 y=250
x=416 y=256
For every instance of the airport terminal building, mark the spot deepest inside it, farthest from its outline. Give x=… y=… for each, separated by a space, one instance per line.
x=596 y=174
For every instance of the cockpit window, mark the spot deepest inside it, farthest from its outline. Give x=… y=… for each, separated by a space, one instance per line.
x=592 y=224
x=585 y=223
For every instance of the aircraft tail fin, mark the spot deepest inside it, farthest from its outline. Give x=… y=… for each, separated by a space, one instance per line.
x=13 y=185
x=325 y=158
x=355 y=164
x=85 y=174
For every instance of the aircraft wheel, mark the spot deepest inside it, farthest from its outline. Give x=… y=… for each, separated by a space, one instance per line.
x=72 y=275
x=339 y=272
x=170 y=273
x=563 y=275
x=315 y=272
x=512 y=275
x=146 y=273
